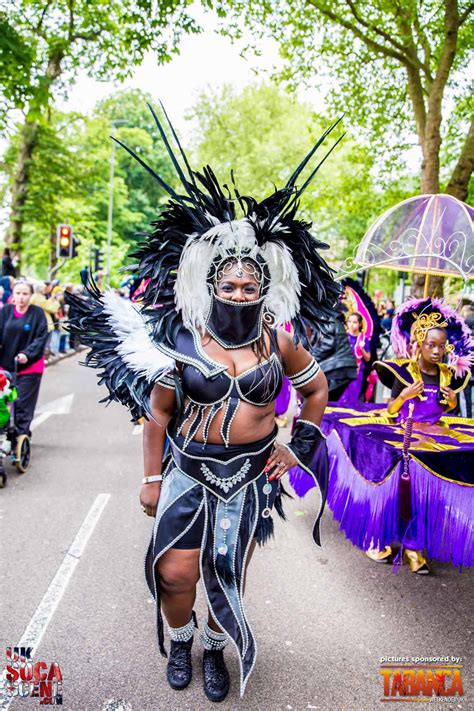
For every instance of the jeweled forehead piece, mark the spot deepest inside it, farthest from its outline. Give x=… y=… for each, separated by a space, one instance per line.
x=239 y=267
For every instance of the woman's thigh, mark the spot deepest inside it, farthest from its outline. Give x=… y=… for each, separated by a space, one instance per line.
x=179 y=568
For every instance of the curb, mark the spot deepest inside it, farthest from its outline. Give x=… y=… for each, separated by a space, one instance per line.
x=61 y=356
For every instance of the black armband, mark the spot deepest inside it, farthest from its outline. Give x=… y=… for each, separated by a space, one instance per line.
x=308 y=445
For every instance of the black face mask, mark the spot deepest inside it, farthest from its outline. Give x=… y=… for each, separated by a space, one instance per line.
x=235 y=324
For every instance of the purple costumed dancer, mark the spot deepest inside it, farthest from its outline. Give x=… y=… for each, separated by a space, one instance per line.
x=361 y=349
x=406 y=474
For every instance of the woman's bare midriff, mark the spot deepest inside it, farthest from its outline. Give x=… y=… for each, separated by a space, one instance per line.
x=250 y=424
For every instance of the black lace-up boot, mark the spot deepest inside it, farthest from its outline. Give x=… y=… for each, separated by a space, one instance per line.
x=179 y=670
x=215 y=674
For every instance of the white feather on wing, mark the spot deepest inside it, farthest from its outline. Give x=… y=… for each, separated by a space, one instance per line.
x=136 y=347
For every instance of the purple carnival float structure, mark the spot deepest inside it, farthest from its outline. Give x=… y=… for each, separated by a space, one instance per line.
x=397 y=479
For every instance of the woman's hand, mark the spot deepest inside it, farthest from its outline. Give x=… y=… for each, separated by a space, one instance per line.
x=411 y=391
x=22 y=358
x=450 y=397
x=280 y=460
x=149 y=496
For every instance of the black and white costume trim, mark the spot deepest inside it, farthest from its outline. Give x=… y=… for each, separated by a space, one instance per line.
x=303 y=377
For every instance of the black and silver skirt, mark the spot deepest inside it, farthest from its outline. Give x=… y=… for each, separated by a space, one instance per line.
x=224 y=493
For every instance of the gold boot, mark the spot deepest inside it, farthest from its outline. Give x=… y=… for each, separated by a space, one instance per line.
x=379 y=556
x=418 y=564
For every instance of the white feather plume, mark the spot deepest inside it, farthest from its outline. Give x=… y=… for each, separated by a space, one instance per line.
x=135 y=345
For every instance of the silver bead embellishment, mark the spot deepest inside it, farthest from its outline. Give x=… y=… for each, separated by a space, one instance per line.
x=267 y=490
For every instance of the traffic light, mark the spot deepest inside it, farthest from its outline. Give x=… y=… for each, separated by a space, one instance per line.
x=75 y=243
x=98 y=259
x=64 y=241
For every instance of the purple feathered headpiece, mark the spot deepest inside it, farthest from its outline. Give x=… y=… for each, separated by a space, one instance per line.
x=461 y=357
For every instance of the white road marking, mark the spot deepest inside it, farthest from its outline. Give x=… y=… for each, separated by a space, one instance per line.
x=39 y=420
x=61 y=406
x=38 y=624
x=137 y=430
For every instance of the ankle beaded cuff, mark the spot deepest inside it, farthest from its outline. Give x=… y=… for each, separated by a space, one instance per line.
x=182 y=634
x=213 y=641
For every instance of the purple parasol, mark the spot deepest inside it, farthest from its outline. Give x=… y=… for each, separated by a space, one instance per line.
x=427 y=234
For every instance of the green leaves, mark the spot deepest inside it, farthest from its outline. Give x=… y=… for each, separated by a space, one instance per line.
x=263 y=132
x=373 y=60
x=69 y=182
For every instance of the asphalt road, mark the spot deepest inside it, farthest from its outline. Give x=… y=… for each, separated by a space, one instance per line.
x=322 y=618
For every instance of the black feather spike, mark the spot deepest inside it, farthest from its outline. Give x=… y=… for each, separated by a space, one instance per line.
x=150 y=170
x=313 y=173
x=292 y=180
x=181 y=150
x=164 y=138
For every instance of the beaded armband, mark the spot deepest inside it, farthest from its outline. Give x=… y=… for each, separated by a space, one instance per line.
x=167 y=381
x=303 y=377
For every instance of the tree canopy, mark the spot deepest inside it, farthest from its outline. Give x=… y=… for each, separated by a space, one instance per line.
x=262 y=133
x=69 y=182
x=396 y=68
x=48 y=43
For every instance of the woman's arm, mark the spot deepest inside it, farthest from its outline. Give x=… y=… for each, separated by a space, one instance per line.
x=163 y=404
x=38 y=337
x=315 y=395
x=312 y=385
x=365 y=354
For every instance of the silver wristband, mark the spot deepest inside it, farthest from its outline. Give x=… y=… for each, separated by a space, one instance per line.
x=152 y=479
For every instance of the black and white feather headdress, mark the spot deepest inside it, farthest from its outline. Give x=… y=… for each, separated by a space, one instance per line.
x=199 y=227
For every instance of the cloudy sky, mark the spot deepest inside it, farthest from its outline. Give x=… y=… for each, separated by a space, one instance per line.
x=207 y=60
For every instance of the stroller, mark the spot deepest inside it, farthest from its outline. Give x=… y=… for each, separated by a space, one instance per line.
x=16 y=447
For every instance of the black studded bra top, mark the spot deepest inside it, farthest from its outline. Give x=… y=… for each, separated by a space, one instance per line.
x=210 y=389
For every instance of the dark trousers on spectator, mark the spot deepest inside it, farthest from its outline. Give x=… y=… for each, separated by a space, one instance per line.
x=28 y=390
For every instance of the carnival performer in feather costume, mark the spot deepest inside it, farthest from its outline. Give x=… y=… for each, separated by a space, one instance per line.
x=404 y=473
x=424 y=333
x=202 y=357
x=363 y=332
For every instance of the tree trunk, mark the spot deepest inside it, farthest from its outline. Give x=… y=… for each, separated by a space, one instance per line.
x=28 y=139
x=434 y=284
x=459 y=181
x=425 y=284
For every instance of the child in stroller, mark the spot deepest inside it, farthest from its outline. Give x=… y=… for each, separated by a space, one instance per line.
x=17 y=447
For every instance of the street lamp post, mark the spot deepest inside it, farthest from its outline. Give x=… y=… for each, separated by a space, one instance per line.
x=117 y=122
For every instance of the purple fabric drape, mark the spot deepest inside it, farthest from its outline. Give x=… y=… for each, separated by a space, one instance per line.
x=283 y=400
x=365 y=464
